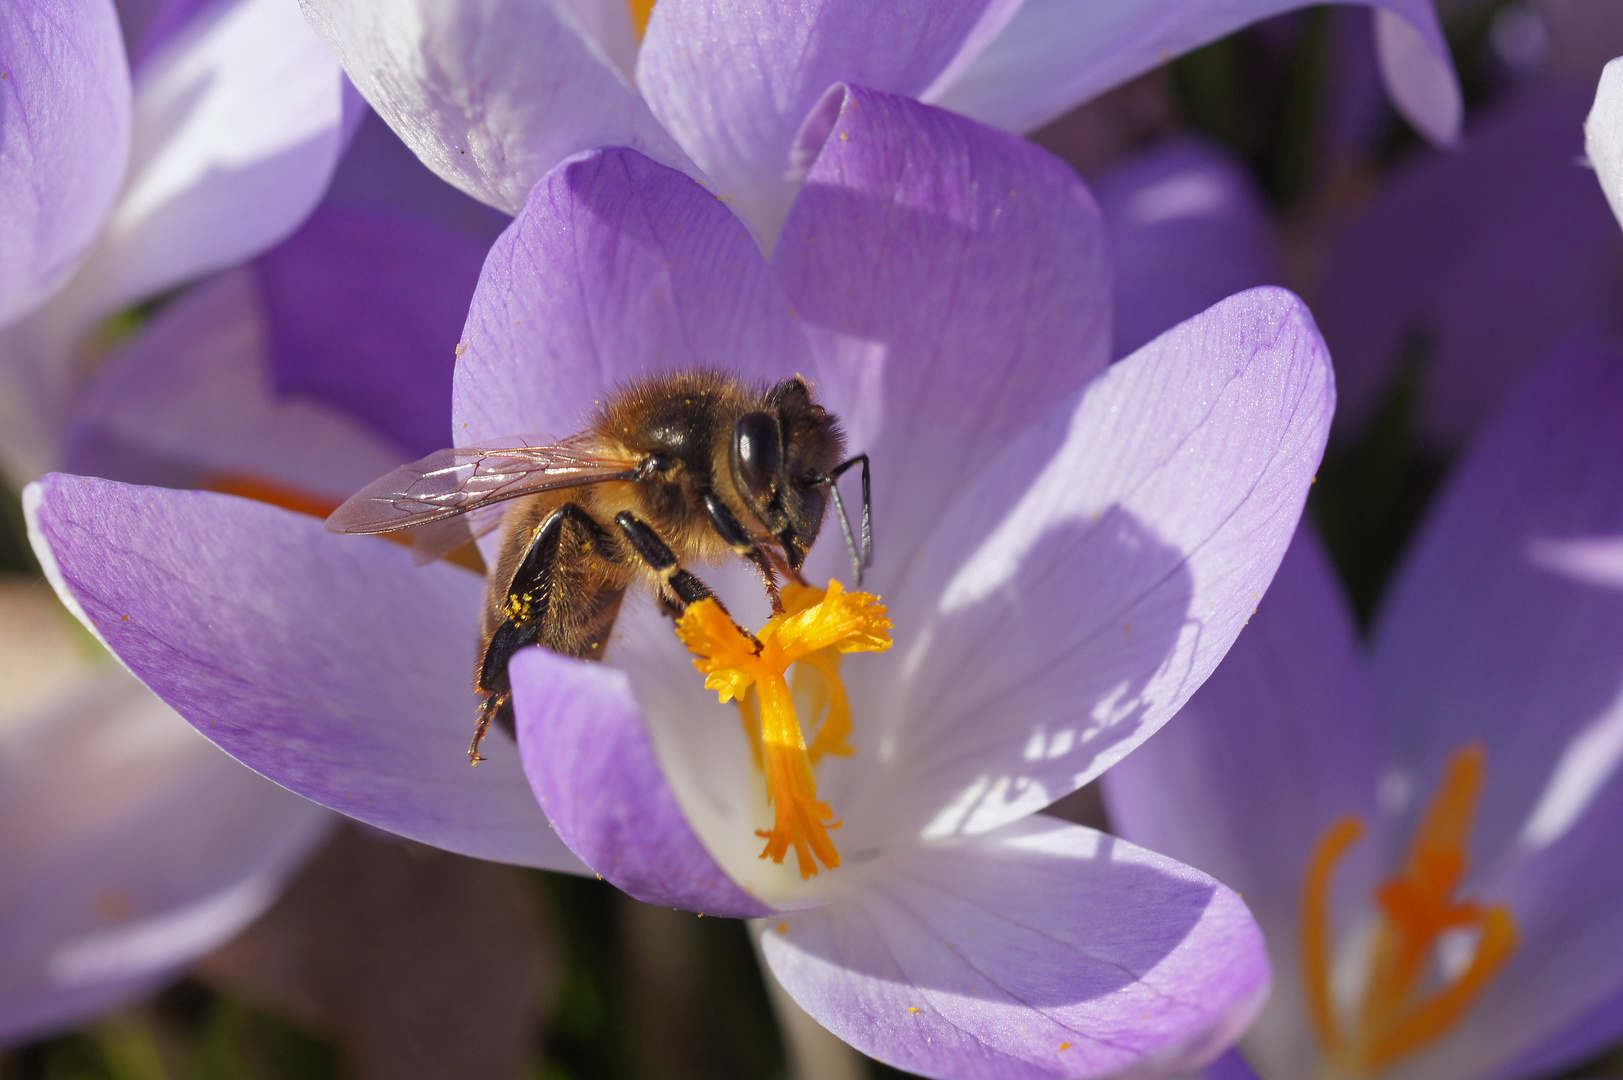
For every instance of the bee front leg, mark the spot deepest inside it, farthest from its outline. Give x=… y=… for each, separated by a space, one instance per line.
x=681 y=588
x=730 y=529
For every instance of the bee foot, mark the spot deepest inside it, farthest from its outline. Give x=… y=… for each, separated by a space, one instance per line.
x=487 y=712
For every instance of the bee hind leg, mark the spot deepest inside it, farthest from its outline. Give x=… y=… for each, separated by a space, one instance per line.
x=497 y=707
x=526 y=604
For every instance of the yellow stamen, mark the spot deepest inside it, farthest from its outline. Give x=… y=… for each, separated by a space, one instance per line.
x=814 y=628
x=641 y=10
x=1395 y=1017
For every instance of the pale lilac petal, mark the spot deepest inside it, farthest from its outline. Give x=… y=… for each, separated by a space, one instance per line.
x=64 y=140
x=1417 y=69
x=491 y=94
x=733 y=83
x=1277 y=745
x=326 y=663
x=1055 y=54
x=1086 y=585
x=1498 y=631
x=1603 y=135
x=138 y=850
x=595 y=773
x=240 y=120
x=1187 y=227
x=1474 y=263
x=956 y=287
x=1043 y=950
x=617 y=268
x=190 y=403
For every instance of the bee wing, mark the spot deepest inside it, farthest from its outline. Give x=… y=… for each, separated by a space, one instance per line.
x=440 y=538
x=456 y=481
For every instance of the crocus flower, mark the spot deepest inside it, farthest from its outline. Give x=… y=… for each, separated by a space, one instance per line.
x=493 y=94
x=129 y=845
x=120 y=181
x=1066 y=552
x=1427 y=831
x=1471 y=266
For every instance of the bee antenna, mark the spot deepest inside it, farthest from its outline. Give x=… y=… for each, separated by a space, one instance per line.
x=859 y=561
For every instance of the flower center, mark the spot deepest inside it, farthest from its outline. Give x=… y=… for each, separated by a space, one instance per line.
x=1405 y=1007
x=813 y=630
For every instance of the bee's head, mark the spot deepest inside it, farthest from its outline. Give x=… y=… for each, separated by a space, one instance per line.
x=781 y=457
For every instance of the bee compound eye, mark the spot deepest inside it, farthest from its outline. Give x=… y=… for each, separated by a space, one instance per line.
x=758 y=455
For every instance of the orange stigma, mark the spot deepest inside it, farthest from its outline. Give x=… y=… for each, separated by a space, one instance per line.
x=248 y=486
x=1404 y=1007
x=641 y=11
x=811 y=633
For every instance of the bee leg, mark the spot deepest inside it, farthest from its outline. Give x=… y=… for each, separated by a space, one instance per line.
x=730 y=529
x=491 y=708
x=683 y=588
x=525 y=606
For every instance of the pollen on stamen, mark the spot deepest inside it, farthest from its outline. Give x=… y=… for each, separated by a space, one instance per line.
x=812 y=630
x=1399 y=1014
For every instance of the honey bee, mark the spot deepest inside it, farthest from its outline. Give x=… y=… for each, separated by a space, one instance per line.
x=671 y=469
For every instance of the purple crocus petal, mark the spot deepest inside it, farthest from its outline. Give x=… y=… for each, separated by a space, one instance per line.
x=1277 y=745
x=64 y=140
x=1529 y=657
x=326 y=663
x=1187 y=228
x=1231 y=1066
x=1043 y=950
x=240 y=120
x=1498 y=632
x=733 y=84
x=141 y=848
x=380 y=172
x=1603 y=135
x=1056 y=53
x=491 y=94
x=1085 y=586
x=595 y=773
x=1581 y=1040
x=149 y=24
x=190 y=403
x=364 y=307
x=1485 y=258
x=617 y=267
x=955 y=284
x=365 y=303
